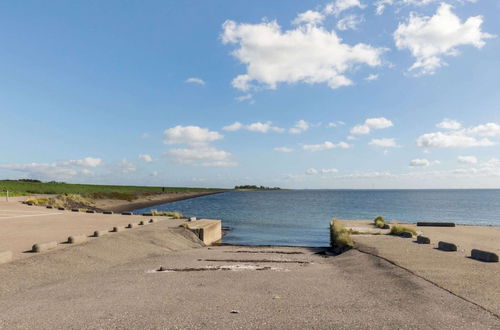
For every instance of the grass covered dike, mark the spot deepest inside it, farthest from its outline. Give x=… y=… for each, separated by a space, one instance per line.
x=24 y=188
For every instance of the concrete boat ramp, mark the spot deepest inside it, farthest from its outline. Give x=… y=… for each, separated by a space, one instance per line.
x=162 y=276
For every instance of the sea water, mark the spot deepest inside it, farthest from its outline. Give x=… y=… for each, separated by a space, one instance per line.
x=301 y=217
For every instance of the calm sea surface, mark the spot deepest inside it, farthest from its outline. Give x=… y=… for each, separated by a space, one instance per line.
x=301 y=217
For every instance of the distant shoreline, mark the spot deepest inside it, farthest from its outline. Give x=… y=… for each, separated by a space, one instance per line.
x=124 y=206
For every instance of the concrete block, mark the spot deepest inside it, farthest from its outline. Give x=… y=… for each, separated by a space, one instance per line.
x=126 y=213
x=423 y=240
x=117 y=229
x=407 y=234
x=5 y=256
x=131 y=225
x=192 y=219
x=90 y=211
x=435 y=224
x=75 y=210
x=107 y=212
x=41 y=247
x=100 y=233
x=208 y=231
x=484 y=255
x=445 y=246
x=77 y=239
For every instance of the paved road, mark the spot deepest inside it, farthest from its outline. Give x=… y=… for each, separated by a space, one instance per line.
x=21 y=225
x=112 y=282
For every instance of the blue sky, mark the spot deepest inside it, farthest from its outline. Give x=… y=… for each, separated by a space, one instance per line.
x=298 y=94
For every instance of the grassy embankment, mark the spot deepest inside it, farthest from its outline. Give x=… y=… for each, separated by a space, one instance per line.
x=84 y=195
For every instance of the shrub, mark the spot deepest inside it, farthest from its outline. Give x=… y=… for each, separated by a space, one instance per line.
x=175 y=215
x=379 y=222
x=398 y=230
x=340 y=238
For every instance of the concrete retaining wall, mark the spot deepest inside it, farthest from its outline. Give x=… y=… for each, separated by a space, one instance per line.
x=208 y=231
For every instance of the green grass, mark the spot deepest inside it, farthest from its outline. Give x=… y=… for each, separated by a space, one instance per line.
x=398 y=230
x=19 y=188
x=340 y=237
x=379 y=222
x=175 y=215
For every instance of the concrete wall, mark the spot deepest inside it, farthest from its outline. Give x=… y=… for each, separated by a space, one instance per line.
x=208 y=231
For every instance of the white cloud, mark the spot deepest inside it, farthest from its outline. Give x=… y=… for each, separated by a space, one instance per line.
x=309 y=17
x=325 y=146
x=381 y=4
x=233 y=127
x=489 y=130
x=146 y=158
x=126 y=166
x=311 y=171
x=86 y=162
x=449 y=124
x=456 y=139
x=145 y=136
x=370 y=124
x=420 y=162
x=309 y=54
x=263 y=127
x=50 y=171
x=192 y=135
x=430 y=38
x=467 y=159
x=329 y=170
x=372 y=77
x=299 y=127
x=337 y=7
x=195 y=80
x=259 y=127
x=206 y=156
x=335 y=124
x=350 y=22
x=385 y=142
x=247 y=97
x=283 y=149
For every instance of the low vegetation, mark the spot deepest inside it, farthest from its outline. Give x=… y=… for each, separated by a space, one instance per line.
x=175 y=215
x=340 y=237
x=398 y=230
x=26 y=187
x=379 y=222
x=65 y=200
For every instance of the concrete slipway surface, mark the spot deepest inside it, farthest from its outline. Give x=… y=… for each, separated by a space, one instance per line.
x=112 y=282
